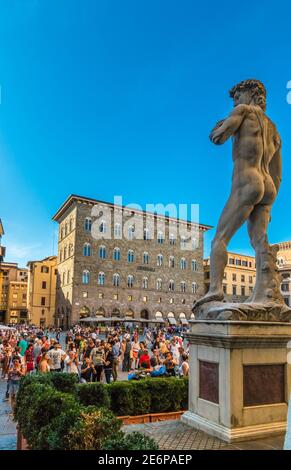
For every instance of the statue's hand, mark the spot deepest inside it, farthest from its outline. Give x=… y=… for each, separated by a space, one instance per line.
x=216 y=136
x=216 y=133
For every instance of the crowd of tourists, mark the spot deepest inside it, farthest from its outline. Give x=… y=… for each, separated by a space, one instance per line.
x=91 y=354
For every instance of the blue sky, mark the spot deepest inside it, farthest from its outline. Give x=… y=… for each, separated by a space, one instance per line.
x=104 y=98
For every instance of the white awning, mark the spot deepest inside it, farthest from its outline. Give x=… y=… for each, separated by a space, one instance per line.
x=184 y=321
x=93 y=319
x=172 y=320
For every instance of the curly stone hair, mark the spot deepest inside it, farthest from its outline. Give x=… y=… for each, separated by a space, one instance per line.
x=257 y=89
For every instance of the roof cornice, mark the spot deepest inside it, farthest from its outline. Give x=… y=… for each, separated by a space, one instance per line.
x=75 y=198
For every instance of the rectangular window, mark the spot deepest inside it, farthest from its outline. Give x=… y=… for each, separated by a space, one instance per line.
x=24 y=296
x=44 y=269
x=85 y=295
x=250 y=279
x=224 y=288
x=115 y=296
x=234 y=277
x=244 y=263
x=101 y=295
x=129 y=298
x=43 y=301
x=233 y=290
x=238 y=262
x=231 y=261
x=242 y=278
x=243 y=290
x=224 y=276
x=43 y=284
x=160 y=300
x=251 y=289
x=145 y=299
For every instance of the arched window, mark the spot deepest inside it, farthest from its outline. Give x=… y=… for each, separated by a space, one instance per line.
x=64 y=278
x=160 y=237
x=116 y=312
x=172 y=239
x=87 y=249
x=65 y=252
x=68 y=277
x=146 y=257
x=171 y=285
x=100 y=312
x=66 y=229
x=183 y=242
x=194 y=287
x=130 y=232
x=145 y=282
x=146 y=234
x=61 y=255
x=183 y=286
x=130 y=280
x=171 y=262
x=183 y=263
x=71 y=224
x=160 y=260
x=130 y=256
x=86 y=277
x=194 y=243
x=88 y=224
x=103 y=227
x=116 y=254
x=84 y=312
x=144 y=314
x=116 y=280
x=159 y=284
x=62 y=233
x=117 y=230
x=101 y=279
x=102 y=252
x=194 y=265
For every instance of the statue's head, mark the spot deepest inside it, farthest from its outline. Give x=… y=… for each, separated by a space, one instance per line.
x=249 y=91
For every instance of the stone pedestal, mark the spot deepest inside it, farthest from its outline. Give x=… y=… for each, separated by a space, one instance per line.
x=240 y=380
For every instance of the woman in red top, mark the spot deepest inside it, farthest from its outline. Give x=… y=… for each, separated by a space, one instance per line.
x=28 y=356
x=145 y=360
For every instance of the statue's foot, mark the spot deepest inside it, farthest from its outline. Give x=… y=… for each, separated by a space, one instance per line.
x=209 y=297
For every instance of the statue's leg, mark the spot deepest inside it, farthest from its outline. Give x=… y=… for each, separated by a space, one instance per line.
x=267 y=284
x=258 y=224
x=233 y=216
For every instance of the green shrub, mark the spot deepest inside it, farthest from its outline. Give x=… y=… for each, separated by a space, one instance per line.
x=54 y=436
x=93 y=394
x=63 y=381
x=93 y=429
x=121 y=399
x=141 y=398
x=37 y=405
x=132 y=441
x=168 y=394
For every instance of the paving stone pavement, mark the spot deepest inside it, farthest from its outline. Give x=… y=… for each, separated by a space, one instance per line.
x=7 y=425
x=175 y=435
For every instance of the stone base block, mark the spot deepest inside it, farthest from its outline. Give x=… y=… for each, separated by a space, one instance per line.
x=240 y=378
x=245 y=433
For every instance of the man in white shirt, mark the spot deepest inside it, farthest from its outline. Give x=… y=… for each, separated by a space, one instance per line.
x=56 y=355
x=72 y=363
